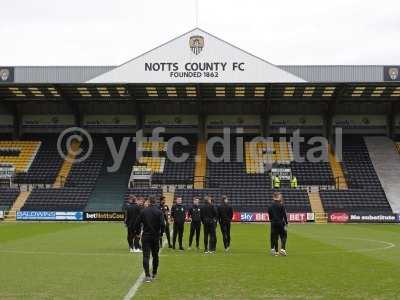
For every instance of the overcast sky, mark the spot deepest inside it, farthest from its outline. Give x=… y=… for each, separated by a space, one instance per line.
x=100 y=32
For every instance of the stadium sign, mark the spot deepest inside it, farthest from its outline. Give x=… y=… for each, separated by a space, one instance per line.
x=264 y=217
x=363 y=217
x=294 y=121
x=109 y=121
x=247 y=122
x=282 y=173
x=372 y=218
x=359 y=121
x=141 y=173
x=151 y=121
x=7 y=171
x=199 y=57
x=49 y=216
x=62 y=120
x=104 y=216
x=6 y=74
x=338 y=217
x=391 y=73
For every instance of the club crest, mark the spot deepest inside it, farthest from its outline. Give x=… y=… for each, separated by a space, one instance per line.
x=4 y=74
x=196 y=44
x=393 y=73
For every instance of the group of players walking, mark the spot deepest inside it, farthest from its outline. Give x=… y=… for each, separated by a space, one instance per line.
x=207 y=215
x=148 y=221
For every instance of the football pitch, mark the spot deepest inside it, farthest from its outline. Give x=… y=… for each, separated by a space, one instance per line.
x=91 y=261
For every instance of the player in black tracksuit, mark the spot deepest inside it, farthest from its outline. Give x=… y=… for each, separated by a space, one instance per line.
x=278 y=219
x=151 y=219
x=195 y=225
x=225 y=215
x=209 y=220
x=165 y=209
x=132 y=212
x=178 y=214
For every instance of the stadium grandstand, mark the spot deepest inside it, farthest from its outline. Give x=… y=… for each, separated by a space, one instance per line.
x=195 y=86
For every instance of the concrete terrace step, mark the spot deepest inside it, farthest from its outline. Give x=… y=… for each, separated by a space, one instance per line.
x=337 y=170
x=317 y=207
x=110 y=189
x=386 y=161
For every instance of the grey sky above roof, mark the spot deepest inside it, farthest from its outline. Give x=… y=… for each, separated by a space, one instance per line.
x=100 y=32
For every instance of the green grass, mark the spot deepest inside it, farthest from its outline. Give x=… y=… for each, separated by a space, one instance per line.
x=90 y=261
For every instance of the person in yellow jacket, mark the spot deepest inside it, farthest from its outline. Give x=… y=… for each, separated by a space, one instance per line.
x=293 y=182
x=276 y=182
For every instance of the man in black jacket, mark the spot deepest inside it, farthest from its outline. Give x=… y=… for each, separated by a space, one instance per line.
x=165 y=210
x=132 y=212
x=209 y=218
x=151 y=219
x=225 y=215
x=195 y=225
x=178 y=214
x=278 y=219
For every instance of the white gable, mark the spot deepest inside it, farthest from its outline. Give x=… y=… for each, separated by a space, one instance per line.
x=196 y=57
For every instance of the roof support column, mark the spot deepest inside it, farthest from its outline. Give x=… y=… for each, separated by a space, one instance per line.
x=74 y=106
x=265 y=116
x=78 y=116
x=390 y=120
x=202 y=127
x=202 y=131
x=17 y=121
x=264 y=125
x=327 y=118
x=139 y=116
x=14 y=109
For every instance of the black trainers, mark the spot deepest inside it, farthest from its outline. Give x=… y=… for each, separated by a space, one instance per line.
x=147 y=279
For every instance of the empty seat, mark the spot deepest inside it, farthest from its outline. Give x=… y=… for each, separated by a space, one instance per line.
x=44 y=168
x=233 y=173
x=355 y=201
x=7 y=197
x=21 y=154
x=249 y=200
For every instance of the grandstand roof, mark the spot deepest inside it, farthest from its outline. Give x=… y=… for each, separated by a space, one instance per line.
x=242 y=92
x=240 y=67
x=310 y=73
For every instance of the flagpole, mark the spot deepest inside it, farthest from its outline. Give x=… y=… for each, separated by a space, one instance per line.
x=197 y=13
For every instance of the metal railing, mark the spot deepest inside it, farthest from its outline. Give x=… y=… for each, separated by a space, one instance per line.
x=338 y=181
x=62 y=180
x=201 y=179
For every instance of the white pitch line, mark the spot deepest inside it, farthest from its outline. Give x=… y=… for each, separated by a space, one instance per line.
x=388 y=244
x=30 y=252
x=133 y=290
x=139 y=281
